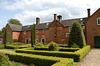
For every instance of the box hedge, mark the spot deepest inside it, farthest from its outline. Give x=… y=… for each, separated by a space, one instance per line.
x=38 y=60
x=77 y=55
x=16 y=46
x=60 y=49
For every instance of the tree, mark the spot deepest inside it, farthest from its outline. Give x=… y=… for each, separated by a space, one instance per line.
x=33 y=35
x=5 y=37
x=77 y=35
x=14 y=21
x=9 y=38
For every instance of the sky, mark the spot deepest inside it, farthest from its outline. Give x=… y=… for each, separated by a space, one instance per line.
x=26 y=11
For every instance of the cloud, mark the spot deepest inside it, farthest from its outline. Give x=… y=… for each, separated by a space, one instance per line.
x=44 y=9
x=42 y=4
x=29 y=17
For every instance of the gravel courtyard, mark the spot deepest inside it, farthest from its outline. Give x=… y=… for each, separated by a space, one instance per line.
x=92 y=58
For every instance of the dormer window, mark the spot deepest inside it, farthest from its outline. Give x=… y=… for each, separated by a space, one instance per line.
x=98 y=21
x=24 y=32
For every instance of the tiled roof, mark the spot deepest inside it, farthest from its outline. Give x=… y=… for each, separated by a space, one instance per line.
x=45 y=25
x=15 y=27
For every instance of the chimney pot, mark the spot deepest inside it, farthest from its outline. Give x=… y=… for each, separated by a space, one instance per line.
x=37 y=21
x=59 y=18
x=88 y=11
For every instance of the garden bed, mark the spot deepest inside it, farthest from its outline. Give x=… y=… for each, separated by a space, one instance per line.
x=77 y=55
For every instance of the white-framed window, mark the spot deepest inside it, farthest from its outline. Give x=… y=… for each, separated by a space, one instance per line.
x=24 y=32
x=98 y=21
x=67 y=34
x=83 y=27
x=70 y=29
x=44 y=30
x=36 y=31
x=37 y=40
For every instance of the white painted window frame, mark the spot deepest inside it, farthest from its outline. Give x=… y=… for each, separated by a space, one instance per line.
x=66 y=34
x=83 y=27
x=36 y=41
x=44 y=30
x=36 y=31
x=69 y=29
x=24 y=32
x=97 y=21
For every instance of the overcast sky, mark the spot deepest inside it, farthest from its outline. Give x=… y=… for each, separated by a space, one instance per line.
x=26 y=11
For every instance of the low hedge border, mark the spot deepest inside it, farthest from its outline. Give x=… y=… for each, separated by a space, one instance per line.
x=77 y=55
x=15 y=47
x=82 y=52
x=69 y=49
x=60 y=49
x=38 y=60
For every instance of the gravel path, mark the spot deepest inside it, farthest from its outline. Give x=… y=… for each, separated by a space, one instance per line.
x=91 y=59
x=7 y=50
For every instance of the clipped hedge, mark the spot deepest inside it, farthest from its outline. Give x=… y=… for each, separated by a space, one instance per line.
x=38 y=60
x=16 y=47
x=82 y=52
x=69 y=49
x=60 y=49
x=1 y=46
x=62 y=45
x=77 y=55
x=41 y=48
x=50 y=53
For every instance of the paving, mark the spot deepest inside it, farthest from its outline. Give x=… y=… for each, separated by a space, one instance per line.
x=92 y=58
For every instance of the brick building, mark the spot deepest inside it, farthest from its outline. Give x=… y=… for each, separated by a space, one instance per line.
x=58 y=30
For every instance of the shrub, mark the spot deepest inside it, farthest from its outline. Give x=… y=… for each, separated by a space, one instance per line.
x=4 y=60
x=15 y=40
x=39 y=45
x=38 y=60
x=33 y=35
x=53 y=46
x=75 y=46
x=77 y=35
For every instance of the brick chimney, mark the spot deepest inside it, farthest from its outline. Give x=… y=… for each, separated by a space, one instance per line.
x=37 y=21
x=88 y=11
x=54 y=17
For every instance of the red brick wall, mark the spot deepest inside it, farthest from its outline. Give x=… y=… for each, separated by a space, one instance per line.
x=92 y=29
x=15 y=35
